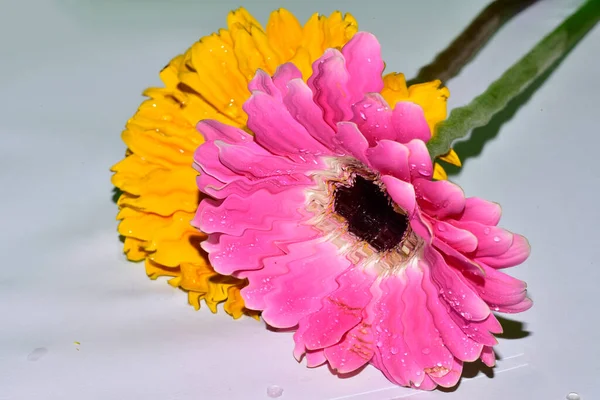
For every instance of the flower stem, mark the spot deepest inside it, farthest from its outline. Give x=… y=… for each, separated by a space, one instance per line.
x=449 y=62
x=516 y=79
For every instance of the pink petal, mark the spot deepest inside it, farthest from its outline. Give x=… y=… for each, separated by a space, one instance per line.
x=427 y=384
x=390 y=158
x=419 y=160
x=451 y=378
x=235 y=214
x=353 y=352
x=461 y=346
x=492 y=241
x=277 y=130
x=497 y=288
x=214 y=130
x=329 y=83
x=409 y=122
x=364 y=64
x=439 y=199
x=315 y=358
x=459 y=296
x=262 y=82
x=421 y=226
x=342 y=309
x=397 y=359
x=312 y=268
x=244 y=186
x=284 y=74
x=488 y=356
x=482 y=211
x=350 y=141
x=358 y=346
x=520 y=307
x=374 y=118
x=456 y=259
x=420 y=333
x=460 y=239
x=299 y=102
x=402 y=193
x=480 y=331
x=245 y=162
x=232 y=254
x=515 y=255
x=207 y=161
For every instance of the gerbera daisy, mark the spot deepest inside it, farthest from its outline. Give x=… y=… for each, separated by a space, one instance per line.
x=331 y=214
x=210 y=81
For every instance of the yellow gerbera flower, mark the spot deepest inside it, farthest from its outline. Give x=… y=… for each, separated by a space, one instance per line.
x=159 y=195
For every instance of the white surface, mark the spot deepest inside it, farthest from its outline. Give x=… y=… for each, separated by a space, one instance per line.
x=71 y=75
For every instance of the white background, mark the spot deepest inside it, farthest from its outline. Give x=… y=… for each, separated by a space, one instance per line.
x=71 y=74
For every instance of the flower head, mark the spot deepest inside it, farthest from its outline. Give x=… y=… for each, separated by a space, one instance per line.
x=210 y=81
x=331 y=214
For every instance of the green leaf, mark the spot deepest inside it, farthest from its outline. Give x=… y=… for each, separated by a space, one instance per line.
x=516 y=79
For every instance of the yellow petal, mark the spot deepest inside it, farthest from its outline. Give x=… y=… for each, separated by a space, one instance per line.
x=439 y=173
x=133 y=249
x=169 y=73
x=303 y=61
x=215 y=74
x=155 y=271
x=243 y=17
x=284 y=33
x=338 y=29
x=234 y=305
x=313 y=36
x=451 y=158
x=432 y=99
x=394 y=88
x=171 y=252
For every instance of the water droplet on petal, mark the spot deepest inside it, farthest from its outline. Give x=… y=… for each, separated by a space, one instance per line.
x=441 y=227
x=426 y=350
x=394 y=350
x=573 y=396
x=496 y=239
x=486 y=231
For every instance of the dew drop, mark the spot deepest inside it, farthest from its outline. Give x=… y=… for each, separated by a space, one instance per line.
x=274 y=391
x=441 y=227
x=486 y=231
x=573 y=396
x=394 y=350
x=426 y=350
x=496 y=239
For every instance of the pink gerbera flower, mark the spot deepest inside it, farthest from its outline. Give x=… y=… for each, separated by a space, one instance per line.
x=330 y=212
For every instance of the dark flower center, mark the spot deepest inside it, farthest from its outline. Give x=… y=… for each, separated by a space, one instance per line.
x=370 y=214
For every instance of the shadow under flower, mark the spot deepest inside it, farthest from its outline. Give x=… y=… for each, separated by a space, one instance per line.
x=512 y=329
x=116 y=193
